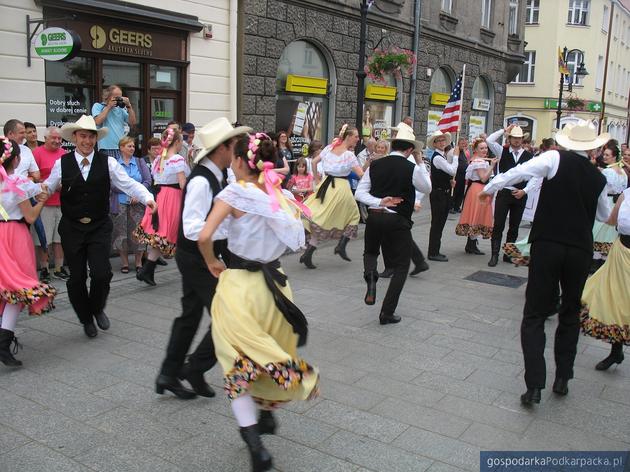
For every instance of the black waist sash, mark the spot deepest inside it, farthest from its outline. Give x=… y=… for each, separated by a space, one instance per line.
x=625 y=240
x=272 y=274
x=328 y=181
x=155 y=219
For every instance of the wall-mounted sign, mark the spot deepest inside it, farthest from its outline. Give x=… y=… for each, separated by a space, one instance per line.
x=481 y=104
x=438 y=98
x=552 y=104
x=57 y=44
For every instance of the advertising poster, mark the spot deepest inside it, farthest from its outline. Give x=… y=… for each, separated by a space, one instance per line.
x=302 y=120
x=378 y=117
x=432 y=121
x=66 y=104
x=476 y=126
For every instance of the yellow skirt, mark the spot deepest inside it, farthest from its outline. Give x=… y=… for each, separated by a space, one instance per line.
x=255 y=344
x=338 y=215
x=606 y=299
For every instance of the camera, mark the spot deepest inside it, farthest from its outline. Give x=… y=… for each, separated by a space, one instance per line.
x=120 y=103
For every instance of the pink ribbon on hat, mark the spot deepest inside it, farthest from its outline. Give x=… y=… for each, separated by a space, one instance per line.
x=273 y=184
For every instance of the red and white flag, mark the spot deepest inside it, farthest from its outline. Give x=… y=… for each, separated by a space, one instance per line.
x=452 y=111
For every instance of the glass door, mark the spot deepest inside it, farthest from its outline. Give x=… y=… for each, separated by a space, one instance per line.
x=163 y=110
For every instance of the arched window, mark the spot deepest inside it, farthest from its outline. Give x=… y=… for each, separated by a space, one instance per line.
x=440 y=90
x=441 y=82
x=302 y=87
x=482 y=107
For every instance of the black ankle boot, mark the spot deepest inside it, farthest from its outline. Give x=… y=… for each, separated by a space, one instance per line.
x=147 y=273
x=307 y=257
x=370 y=295
x=266 y=422
x=469 y=246
x=341 y=248
x=615 y=357
x=6 y=353
x=261 y=459
x=475 y=248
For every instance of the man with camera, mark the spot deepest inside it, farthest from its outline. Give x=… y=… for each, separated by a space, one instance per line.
x=113 y=113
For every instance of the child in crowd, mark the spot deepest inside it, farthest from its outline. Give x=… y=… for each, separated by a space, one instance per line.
x=301 y=183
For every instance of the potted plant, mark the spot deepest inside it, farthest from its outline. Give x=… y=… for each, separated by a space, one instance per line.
x=394 y=61
x=575 y=103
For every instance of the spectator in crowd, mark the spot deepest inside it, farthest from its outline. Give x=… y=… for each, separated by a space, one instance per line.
x=127 y=212
x=625 y=156
x=364 y=155
x=114 y=113
x=301 y=182
x=463 y=155
x=15 y=130
x=285 y=154
x=153 y=150
x=188 y=148
x=45 y=157
x=31 y=136
x=314 y=149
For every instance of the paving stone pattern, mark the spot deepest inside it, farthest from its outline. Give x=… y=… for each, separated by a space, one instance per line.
x=424 y=395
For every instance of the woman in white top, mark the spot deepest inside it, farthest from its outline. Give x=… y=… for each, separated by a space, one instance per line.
x=256 y=328
x=159 y=229
x=606 y=299
x=335 y=214
x=19 y=286
x=476 y=219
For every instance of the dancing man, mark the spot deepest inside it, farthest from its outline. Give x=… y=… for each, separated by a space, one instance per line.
x=388 y=188
x=572 y=195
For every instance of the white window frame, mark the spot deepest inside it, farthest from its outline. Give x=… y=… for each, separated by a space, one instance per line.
x=486 y=13
x=532 y=10
x=513 y=17
x=447 y=6
x=599 y=78
x=573 y=62
x=578 y=12
x=530 y=65
x=605 y=19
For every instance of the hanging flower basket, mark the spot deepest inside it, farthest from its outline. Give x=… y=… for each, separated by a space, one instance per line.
x=395 y=61
x=575 y=103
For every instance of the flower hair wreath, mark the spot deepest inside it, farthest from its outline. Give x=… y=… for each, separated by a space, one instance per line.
x=7 y=149
x=252 y=147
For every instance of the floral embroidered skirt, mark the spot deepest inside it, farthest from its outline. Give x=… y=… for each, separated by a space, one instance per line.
x=18 y=274
x=605 y=312
x=603 y=234
x=518 y=251
x=255 y=344
x=337 y=216
x=476 y=218
x=169 y=202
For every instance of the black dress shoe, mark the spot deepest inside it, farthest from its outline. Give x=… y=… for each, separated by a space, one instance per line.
x=370 y=294
x=102 y=321
x=389 y=319
x=161 y=262
x=561 y=386
x=494 y=260
x=266 y=422
x=387 y=273
x=438 y=258
x=196 y=381
x=164 y=382
x=423 y=266
x=90 y=329
x=531 y=396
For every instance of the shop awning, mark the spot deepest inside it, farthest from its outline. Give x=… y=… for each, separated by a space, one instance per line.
x=128 y=12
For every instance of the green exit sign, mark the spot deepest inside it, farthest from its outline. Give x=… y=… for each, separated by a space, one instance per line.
x=552 y=103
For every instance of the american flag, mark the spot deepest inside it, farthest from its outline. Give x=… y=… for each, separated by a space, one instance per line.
x=450 y=116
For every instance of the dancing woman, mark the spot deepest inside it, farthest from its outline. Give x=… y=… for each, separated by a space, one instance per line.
x=476 y=219
x=256 y=328
x=160 y=233
x=335 y=214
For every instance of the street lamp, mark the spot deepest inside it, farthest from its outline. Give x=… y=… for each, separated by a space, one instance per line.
x=365 y=6
x=581 y=71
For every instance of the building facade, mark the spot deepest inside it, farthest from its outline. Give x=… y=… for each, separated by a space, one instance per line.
x=171 y=65
x=300 y=59
x=598 y=33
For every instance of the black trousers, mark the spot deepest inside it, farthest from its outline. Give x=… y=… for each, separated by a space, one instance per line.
x=391 y=234
x=85 y=245
x=440 y=205
x=504 y=204
x=198 y=286
x=458 y=191
x=552 y=263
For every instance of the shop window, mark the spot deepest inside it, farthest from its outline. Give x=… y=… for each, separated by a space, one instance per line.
x=379 y=109
x=69 y=90
x=164 y=77
x=125 y=74
x=302 y=95
x=440 y=91
x=482 y=107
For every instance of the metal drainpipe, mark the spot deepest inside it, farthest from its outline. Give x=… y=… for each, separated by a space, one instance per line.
x=414 y=74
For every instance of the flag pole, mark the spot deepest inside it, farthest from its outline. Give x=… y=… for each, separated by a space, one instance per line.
x=459 y=123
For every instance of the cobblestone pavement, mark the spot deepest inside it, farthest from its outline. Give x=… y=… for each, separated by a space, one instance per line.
x=426 y=394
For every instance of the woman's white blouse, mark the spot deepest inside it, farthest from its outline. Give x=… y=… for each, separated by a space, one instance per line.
x=10 y=201
x=171 y=168
x=338 y=166
x=617 y=183
x=473 y=168
x=623 y=219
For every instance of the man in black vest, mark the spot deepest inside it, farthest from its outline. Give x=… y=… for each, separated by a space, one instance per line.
x=510 y=200
x=388 y=188
x=204 y=183
x=442 y=171
x=85 y=177
x=572 y=195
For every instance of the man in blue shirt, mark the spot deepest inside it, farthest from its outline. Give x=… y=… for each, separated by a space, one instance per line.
x=113 y=113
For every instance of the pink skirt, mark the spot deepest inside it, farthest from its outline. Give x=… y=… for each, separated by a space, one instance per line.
x=169 y=202
x=18 y=273
x=476 y=219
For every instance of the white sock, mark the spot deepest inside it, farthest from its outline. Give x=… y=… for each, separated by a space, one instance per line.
x=244 y=410
x=9 y=316
x=153 y=254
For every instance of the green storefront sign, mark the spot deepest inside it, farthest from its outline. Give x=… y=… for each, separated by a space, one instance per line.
x=552 y=103
x=57 y=44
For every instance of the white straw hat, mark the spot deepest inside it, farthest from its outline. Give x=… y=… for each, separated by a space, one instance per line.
x=215 y=133
x=87 y=123
x=436 y=134
x=581 y=136
x=405 y=133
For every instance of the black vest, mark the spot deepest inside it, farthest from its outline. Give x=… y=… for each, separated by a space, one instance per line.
x=87 y=198
x=507 y=162
x=392 y=176
x=183 y=243
x=568 y=203
x=440 y=180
